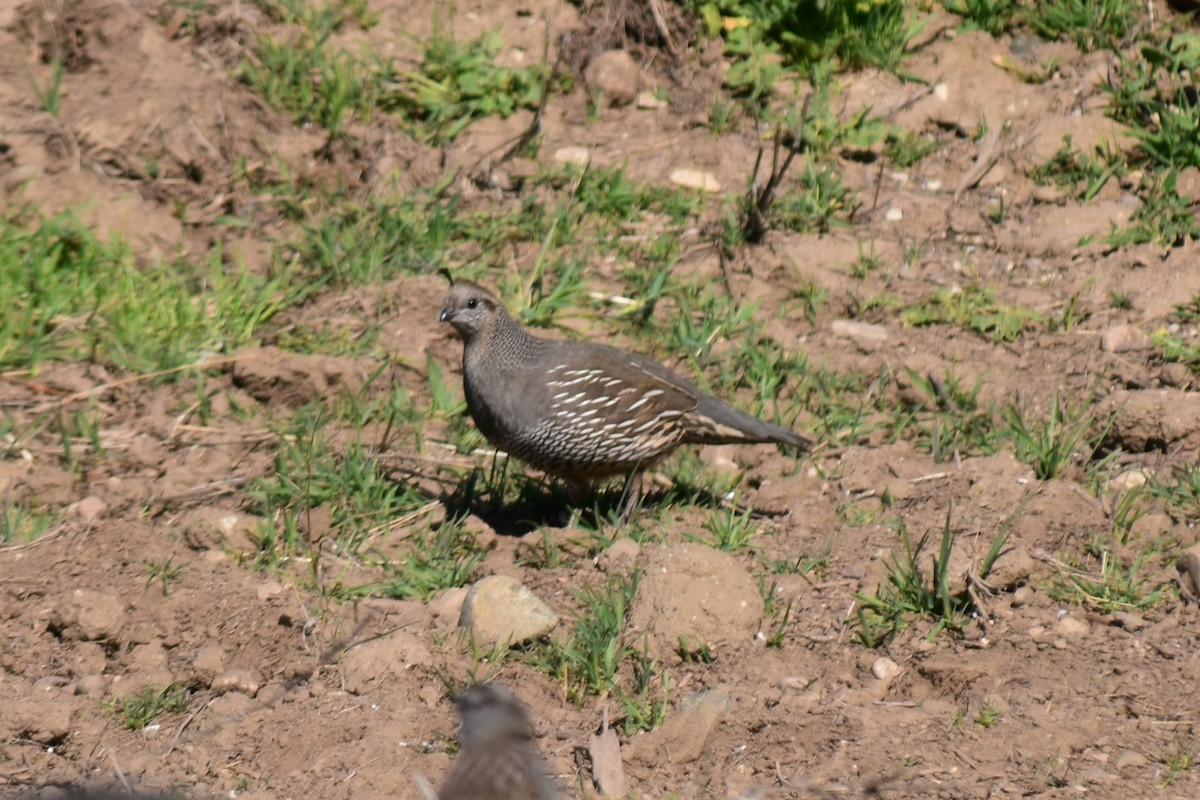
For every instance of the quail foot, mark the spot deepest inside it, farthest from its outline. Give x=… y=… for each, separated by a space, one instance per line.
x=498 y=759
x=582 y=411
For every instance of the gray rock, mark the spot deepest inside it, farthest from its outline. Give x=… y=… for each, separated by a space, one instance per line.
x=502 y=609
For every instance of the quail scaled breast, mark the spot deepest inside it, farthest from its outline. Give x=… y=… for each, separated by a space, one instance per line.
x=582 y=411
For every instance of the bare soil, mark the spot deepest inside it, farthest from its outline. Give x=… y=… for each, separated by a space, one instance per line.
x=297 y=697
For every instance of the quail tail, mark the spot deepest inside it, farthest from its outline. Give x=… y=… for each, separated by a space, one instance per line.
x=717 y=422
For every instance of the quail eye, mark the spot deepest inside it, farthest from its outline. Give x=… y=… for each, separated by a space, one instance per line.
x=473 y=303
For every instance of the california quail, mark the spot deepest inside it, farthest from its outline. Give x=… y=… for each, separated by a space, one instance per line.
x=498 y=759
x=583 y=411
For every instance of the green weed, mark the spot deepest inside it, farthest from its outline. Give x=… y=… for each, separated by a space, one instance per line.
x=590 y=660
x=458 y=83
x=69 y=295
x=1114 y=585
x=1091 y=24
x=19 y=524
x=975 y=308
x=905 y=148
x=1085 y=175
x=906 y=593
x=50 y=98
x=162 y=571
x=1050 y=445
x=992 y=16
x=139 y=710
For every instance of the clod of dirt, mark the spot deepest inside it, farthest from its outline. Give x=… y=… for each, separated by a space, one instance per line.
x=620 y=557
x=681 y=738
x=47 y=723
x=499 y=609
x=696 y=594
x=1189 y=568
x=614 y=75
x=274 y=376
x=90 y=615
x=1158 y=419
x=369 y=664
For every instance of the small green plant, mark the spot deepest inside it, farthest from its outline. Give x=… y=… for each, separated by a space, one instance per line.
x=731 y=530
x=855 y=34
x=906 y=593
x=905 y=148
x=775 y=640
x=1084 y=174
x=987 y=717
x=164 y=572
x=949 y=419
x=1115 y=585
x=812 y=295
x=50 y=98
x=992 y=16
x=1091 y=24
x=722 y=117
x=974 y=307
x=1177 y=761
x=458 y=83
x=1051 y=444
x=19 y=524
x=693 y=652
x=867 y=263
x=140 y=709
x=588 y=661
x=315 y=83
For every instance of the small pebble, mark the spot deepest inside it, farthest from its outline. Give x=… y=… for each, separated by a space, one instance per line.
x=885 y=669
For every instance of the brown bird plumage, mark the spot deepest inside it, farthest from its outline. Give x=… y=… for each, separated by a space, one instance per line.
x=583 y=411
x=498 y=759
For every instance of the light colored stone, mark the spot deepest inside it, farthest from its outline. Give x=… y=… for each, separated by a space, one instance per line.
x=1071 y=627
x=648 y=100
x=244 y=681
x=682 y=738
x=1129 y=479
x=502 y=609
x=579 y=156
x=695 y=179
x=93 y=686
x=209 y=661
x=885 y=669
x=866 y=336
x=894 y=214
x=448 y=604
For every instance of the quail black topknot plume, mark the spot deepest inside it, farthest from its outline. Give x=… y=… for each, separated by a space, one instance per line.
x=583 y=411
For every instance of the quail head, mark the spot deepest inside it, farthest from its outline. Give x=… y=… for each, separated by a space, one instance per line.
x=498 y=759
x=583 y=411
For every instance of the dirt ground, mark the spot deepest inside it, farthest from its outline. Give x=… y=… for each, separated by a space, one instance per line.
x=295 y=697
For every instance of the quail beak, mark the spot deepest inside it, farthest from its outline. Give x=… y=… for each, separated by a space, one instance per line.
x=446 y=314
